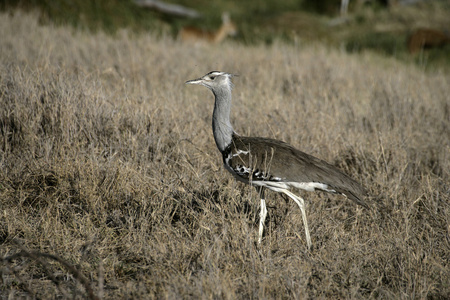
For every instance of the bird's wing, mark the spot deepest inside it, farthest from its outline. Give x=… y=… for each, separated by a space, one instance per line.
x=254 y=158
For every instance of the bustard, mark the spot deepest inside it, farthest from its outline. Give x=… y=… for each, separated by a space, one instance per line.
x=268 y=163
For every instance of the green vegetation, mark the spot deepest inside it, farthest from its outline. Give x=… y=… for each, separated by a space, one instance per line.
x=106 y=15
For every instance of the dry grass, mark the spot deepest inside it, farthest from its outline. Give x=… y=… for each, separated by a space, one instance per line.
x=108 y=167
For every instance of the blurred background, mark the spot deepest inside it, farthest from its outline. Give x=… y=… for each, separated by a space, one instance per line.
x=415 y=31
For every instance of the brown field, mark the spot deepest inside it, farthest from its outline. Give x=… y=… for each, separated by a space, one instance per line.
x=111 y=185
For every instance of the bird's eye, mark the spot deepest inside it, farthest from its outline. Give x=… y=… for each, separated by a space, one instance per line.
x=212 y=77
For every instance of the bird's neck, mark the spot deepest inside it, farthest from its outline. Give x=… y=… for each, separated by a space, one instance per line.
x=222 y=128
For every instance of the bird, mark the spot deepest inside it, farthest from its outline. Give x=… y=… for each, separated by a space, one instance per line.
x=270 y=164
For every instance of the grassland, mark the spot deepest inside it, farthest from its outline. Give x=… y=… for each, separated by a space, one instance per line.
x=110 y=182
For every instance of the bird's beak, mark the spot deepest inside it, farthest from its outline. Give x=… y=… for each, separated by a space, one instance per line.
x=194 y=81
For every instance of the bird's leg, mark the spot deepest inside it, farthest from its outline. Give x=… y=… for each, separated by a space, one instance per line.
x=263 y=214
x=262 y=219
x=301 y=203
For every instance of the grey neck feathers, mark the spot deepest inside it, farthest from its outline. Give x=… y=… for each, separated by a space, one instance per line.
x=222 y=128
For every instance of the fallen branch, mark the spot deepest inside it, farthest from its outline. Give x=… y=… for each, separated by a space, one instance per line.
x=36 y=256
x=167 y=8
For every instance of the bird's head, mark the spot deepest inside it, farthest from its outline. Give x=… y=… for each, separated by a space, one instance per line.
x=214 y=80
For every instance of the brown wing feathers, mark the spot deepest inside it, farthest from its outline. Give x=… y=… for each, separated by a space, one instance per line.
x=273 y=160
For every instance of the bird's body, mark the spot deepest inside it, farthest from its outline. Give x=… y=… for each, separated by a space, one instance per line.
x=260 y=161
x=268 y=163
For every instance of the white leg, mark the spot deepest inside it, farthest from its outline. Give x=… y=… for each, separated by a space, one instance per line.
x=262 y=218
x=301 y=203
